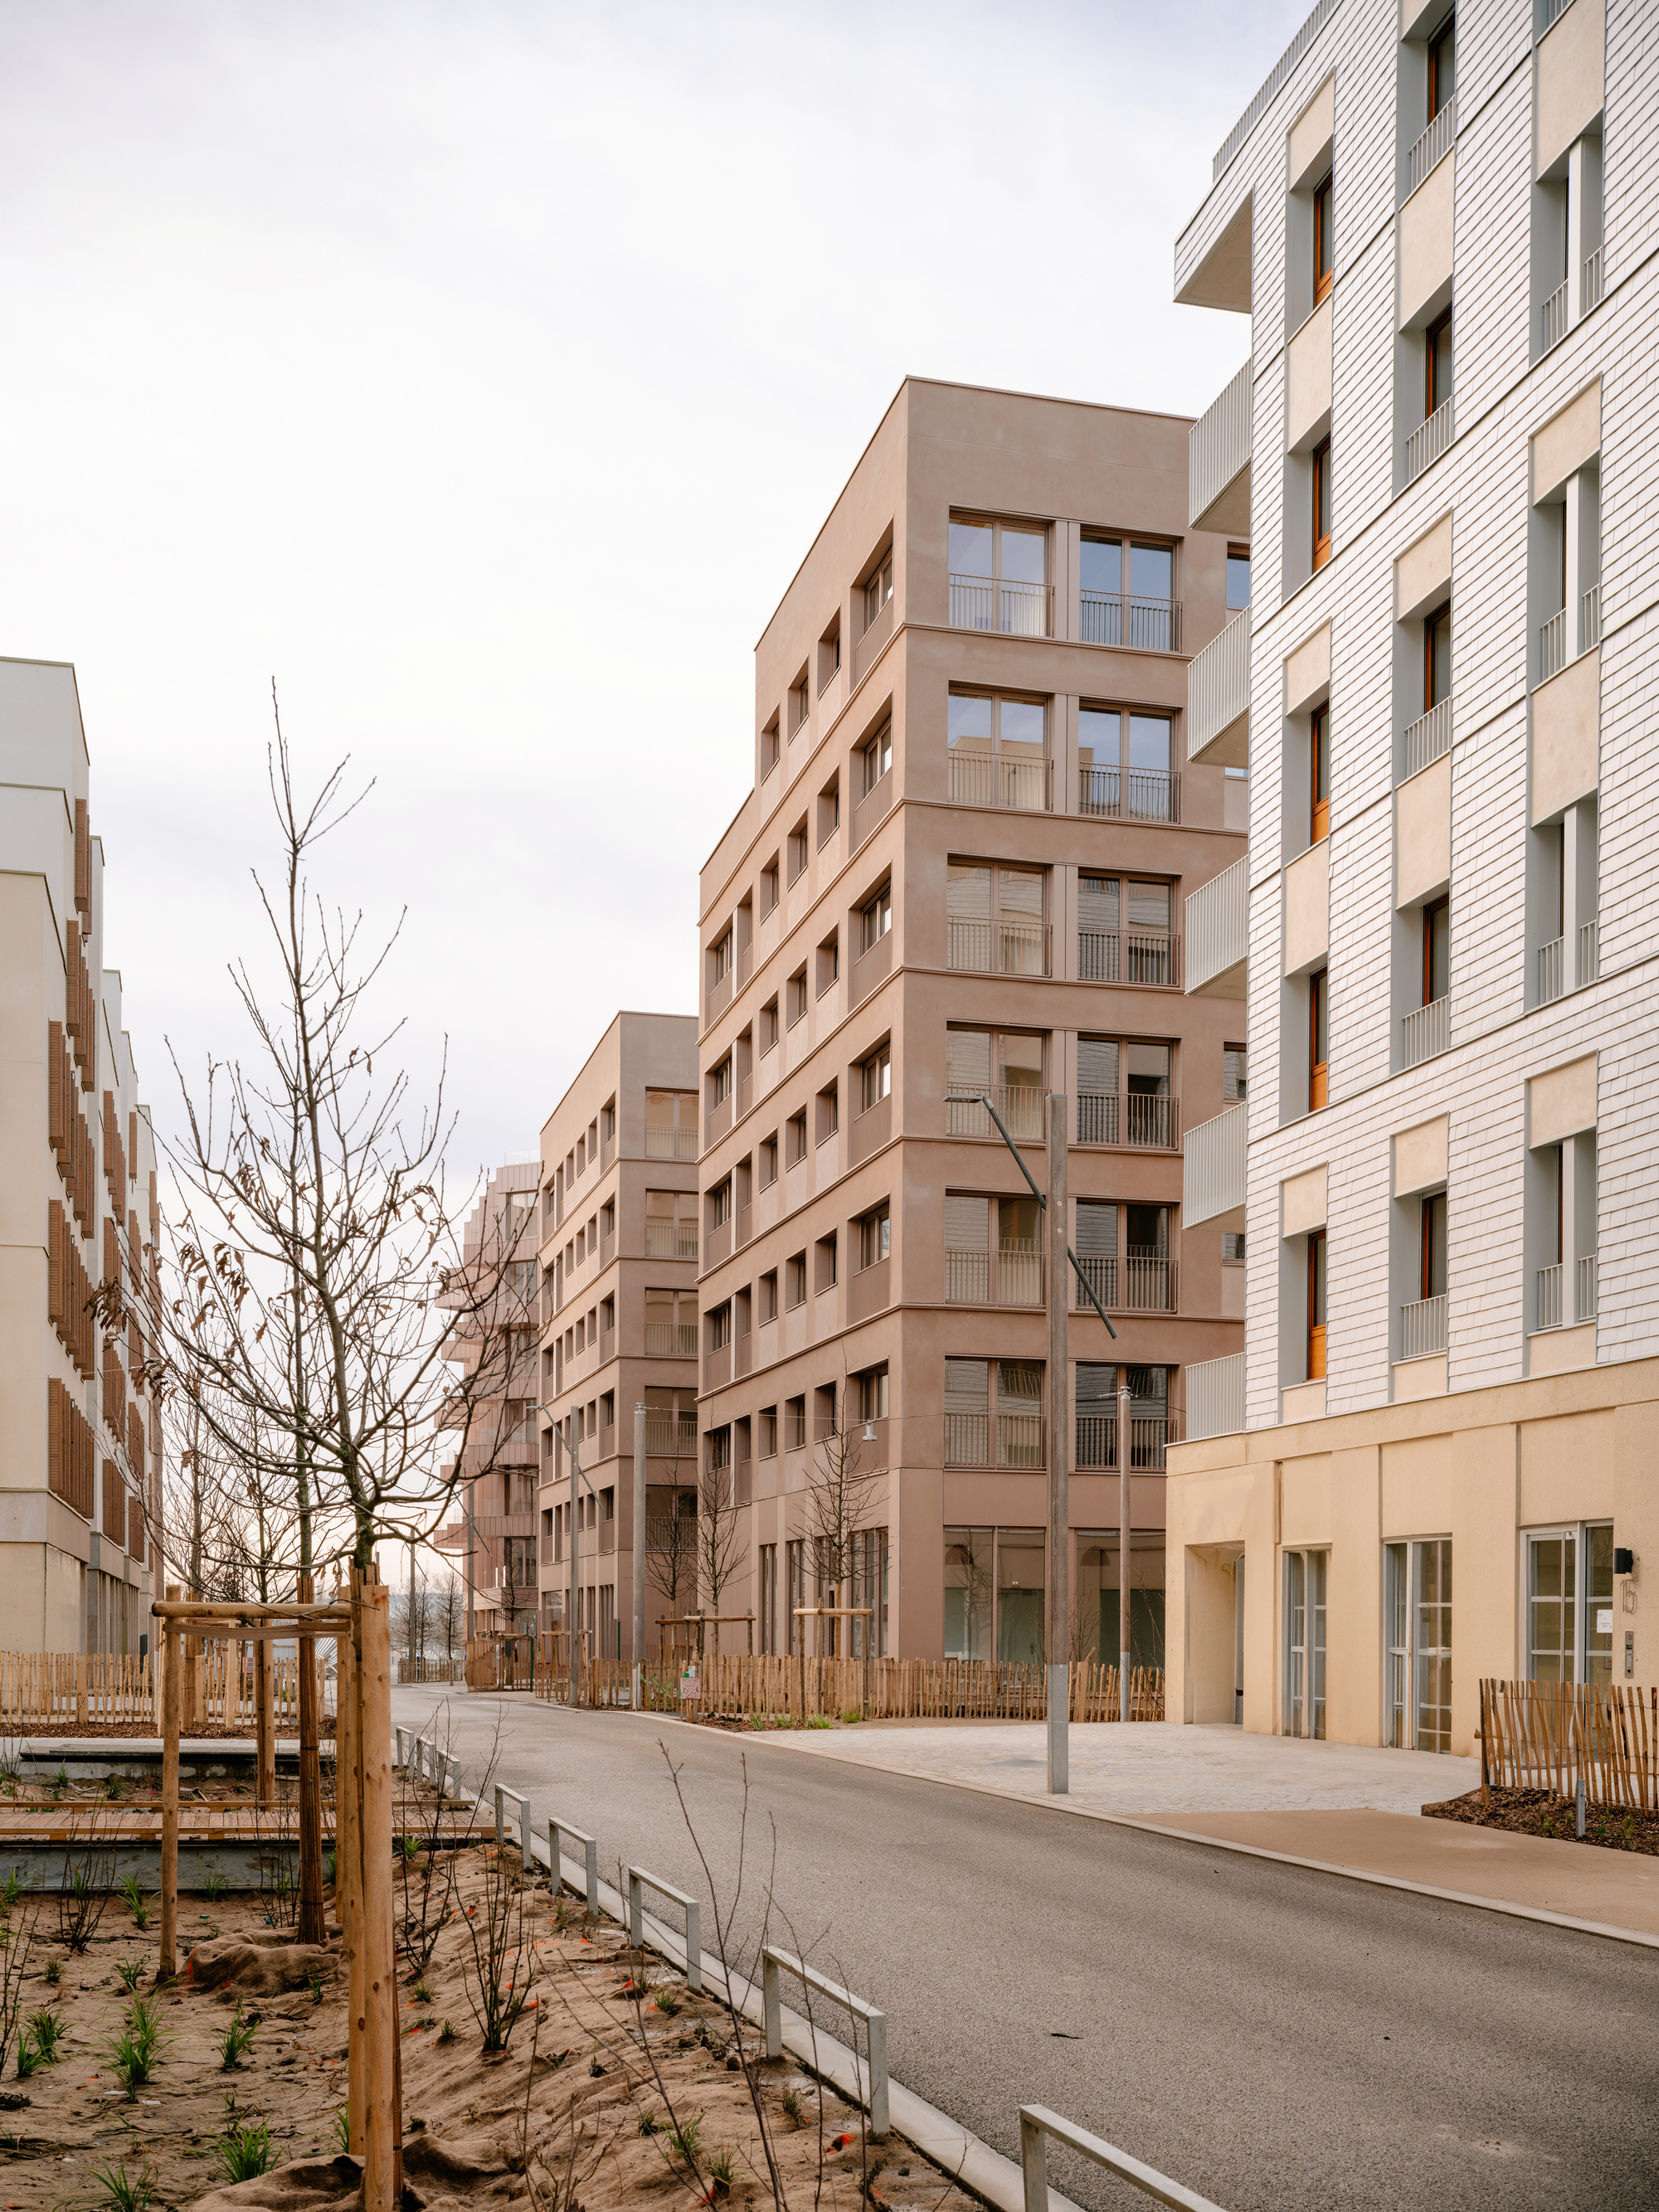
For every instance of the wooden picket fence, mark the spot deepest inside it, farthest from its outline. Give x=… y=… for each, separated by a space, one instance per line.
x=431 y=1670
x=770 y=1686
x=1549 y=1735
x=83 y=1689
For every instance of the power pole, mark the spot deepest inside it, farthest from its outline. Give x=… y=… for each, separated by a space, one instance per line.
x=639 y=1554
x=1060 y=1672
x=575 y=1457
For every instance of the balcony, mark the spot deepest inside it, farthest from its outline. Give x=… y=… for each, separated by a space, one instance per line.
x=1149 y=1434
x=1012 y=610
x=1550 y=985
x=1553 y=318
x=998 y=948
x=1552 y=645
x=1587 y=1287
x=669 y=1435
x=1427 y=1032
x=1143 y=625
x=1129 y=956
x=1428 y=440
x=671 y=1143
x=1218 y=461
x=1218 y=699
x=1217 y=935
x=1020 y=1105
x=866 y=648
x=1018 y=1440
x=1590 y=618
x=1145 y=1121
x=1212 y=1180
x=1592 y=284
x=1129 y=794
x=1431 y=148
x=1008 y=1274
x=1141 y=1282
x=667 y=1339
x=1588 y=953
x=996 y=779
x=1428 y=739
x=1423 y=1328
x=1215 y=1397
x=1548 y=1314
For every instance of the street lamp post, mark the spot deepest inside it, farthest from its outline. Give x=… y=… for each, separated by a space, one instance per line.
x=639 y=1555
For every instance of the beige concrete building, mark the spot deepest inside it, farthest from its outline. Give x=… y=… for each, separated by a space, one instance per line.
x=80 y=1437
x=966 y=866
x=619 y=1304
x=1438 y=1458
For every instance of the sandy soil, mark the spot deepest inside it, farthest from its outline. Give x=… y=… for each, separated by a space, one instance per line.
x=1540 y=1812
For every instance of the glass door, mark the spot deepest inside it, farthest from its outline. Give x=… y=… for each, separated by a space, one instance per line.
x=1432 y=1654
x=1305 y=1637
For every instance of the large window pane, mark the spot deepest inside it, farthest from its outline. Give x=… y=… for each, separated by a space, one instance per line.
x=1022 y=556
x=970 y=549
x=1099 y=735
x=1149 y=742
x=1102 y=565
x=1151 y=572
x=1551 y=1602
x=1598 y=1604
x=968 y=1562
x=1019 y=1595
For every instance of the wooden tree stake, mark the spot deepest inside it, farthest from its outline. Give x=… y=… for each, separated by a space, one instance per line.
x=171 y=1673
x=312 y=1927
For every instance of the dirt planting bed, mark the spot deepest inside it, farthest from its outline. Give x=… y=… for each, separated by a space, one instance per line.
x=1540 y=1812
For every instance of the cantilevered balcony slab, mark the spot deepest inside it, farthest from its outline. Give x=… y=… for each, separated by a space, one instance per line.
x=1213 y=1184
x=1217 y=938
x=1218 y=699
x=1218 y=461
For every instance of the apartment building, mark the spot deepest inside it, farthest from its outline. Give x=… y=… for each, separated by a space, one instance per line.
x=80 y=1432
x=965 y=871
x=618 y=1235
x=1435 y=1460
x=493 y=1536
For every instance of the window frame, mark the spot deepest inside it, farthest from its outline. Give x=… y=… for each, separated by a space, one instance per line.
x=1319 y=1018
x=1320 y=488
x=1319 y=774
x=1318 y=1290
x=1323 y=209
x=1437 y=928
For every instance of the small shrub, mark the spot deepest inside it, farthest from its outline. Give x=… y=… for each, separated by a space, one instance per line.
x=137 y=1902
x=666 y=2002
x=721 y=2175
x=28 y=2058
x=421 y=1994
x=447 y=2031
x=686 y=2139
x=791 y=2104
x=122 y=2192
x=819 y=1720
x=315 y=1979
x=86 y=1888
x=131 y=1972
x=213 y=1885
x=245 y=2151
x=851 y=1716
x=60 y=1781
x=343 y=2130
x=649 y=2123
x=238 y=2041
x=408 y=1848
x=328 y=1868
x=132 y=2052
x=113 y=1787
x=46 y=2031
x=54 y=1972
x=10 y=1890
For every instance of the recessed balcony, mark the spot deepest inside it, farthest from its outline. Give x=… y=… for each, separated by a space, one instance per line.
x=1217 y=935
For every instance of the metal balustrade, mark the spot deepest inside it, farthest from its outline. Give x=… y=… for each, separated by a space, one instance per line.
x=1218 y=444
x=996 y=779
x=1428 y=738
x=1037 y=2122
x=1553 y=645
x=1590 y=618
x=1215 y=1396
x=1150 y=1434
x=1588 y=953
x=1005 y=1274
x=1553 y=316
x=1218 y=686
x=1550 y=985
x=1428 y=440
x=1427 y=1031
x=1587 y=1287
x=1268 y=93
x=1148 y=1121
x=1592 y=282
x=1139 y=1283
x=1218 y=924
x=1129 y=794
x=1432 y=147
x=1020 y=1105
x=1012 y=610
x=1129 y=956
x=1423 y=1328
x=671 y=1143
x=1018 y=1440
x=1120 y=618
x=1549 y=1297
x=669 y=1435
x=1212 y=1179
x=996 y=948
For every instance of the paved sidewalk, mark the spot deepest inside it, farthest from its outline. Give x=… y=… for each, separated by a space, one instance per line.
x=1341 y=1806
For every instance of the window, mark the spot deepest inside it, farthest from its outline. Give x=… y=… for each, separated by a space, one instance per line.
x=829 y=812
x=1006 y=1064
x=719 y=1203
x=768 y=1295
x=720 y=966
x=796 y=1130
x=878 y=757
x=1233 y=1063
x=1321 y=239
x=979 y=1271
x=770 y=888
x=769 y=1027
x=1305 y=1574
x=794 y=1277
x=719 y=1082
x=797 y=852
x=1125 y=760
x=875 y=1236
x=1418 y=1623
x=999 y=577
x=1570 y=1605
x=879 y=590
x=1443 y=67
x=1238 y=577
x=993 y=920
x=671 y=1125
x=1319 y=774
x=1437 y=363
x=671 y=1325
x=770 y=748
x=1107 y=952
x=968 y=1432
x=829 y=1114
x=1432 y=1271
x=874 y=1395
x=1437 y=951
x=799 y=702
x=795 y=998
x=1124 y=1094
x=877 y=1077
x=1436 y=657
x=769 y=1162
x=1321 y=502
x=720 y=1326
x=1146 y=615
x=828 y=963
x=769 y=1596
x=829 y=654
x=1319 y=1043
x=826 y=1272
x=768 y=1432
x=1316 y=1306
x=877 y=918
x=997 y=750
x=670 y=1224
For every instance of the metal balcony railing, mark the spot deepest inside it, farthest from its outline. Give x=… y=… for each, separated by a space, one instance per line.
x=995 y=780
x=667 y=1339
x=1549 y=1297
x=1590 y=618
x=1592 y=281
x=998 y=948
x=1215 y=1396
x=1218 y=444
x=1129 y=956
x=669 y=1435
x=1014 y=609
x=1428 y=738
x=967 y=1439
x=1423 y=1328
x=1549 y=986
x=1020 y=1105
x=671 y=1143
x=1218 y=926
x=1007 y=1274
x=1432 y=146
x=1019 y=1439
x=1553 y=645
x=1428 y=440
x=1149 y=1120
x=1149 y=1434
x=1218 y=685
x=1587 y=1287
x=1212 y=1179
x=1553 y=316
x=1427 y=1031
x=1140 y=1282
x=1116 y=618
x=1130 y=794
x=1588 y=953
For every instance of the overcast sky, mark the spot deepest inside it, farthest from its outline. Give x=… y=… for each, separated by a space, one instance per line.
x=482 y=374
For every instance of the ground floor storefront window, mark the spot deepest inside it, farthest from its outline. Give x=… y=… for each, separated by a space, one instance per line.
x=1417 y=1601
x=1304 y=1643
x=1569 y=1604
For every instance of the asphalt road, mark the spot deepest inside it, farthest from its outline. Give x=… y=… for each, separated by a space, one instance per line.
x=1270 y=2036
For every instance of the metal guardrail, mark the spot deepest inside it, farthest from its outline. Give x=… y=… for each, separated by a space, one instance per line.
x=1554 y=317
x=1146 y=625
x=1213 y=1165
x=638 y=1882
x=1129 y=794
x=1218 y=685
x=1552 y=645
x=1549 y=1297
x=1593 y=281
x=1218 y=924
x=1129 y=956
x=1588 y=1287
x=1428 y=440
x=1427 y=1032
x=1037 y=2122
x=1590 y=618
x=1423 y=1328
x=1589 y=952
x=1435 y=143
x=1550 y=985
x=775 y=1963
x=589 y=1858
x=1270 y=89
x=1427 y=739
x=1218 y=445
x=1012 y=610
x=1215 y=1396
x=502 y=1796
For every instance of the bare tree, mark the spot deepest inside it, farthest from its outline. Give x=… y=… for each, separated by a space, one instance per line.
x=719 y=1537
x=671 y=1548
x=840 y=1496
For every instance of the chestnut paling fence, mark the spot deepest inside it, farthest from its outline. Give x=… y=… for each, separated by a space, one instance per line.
x=83 y=1689
x=741 y=1687
x=1552 y=1736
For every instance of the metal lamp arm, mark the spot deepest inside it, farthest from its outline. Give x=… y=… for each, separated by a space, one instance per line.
x=1086 y=1285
